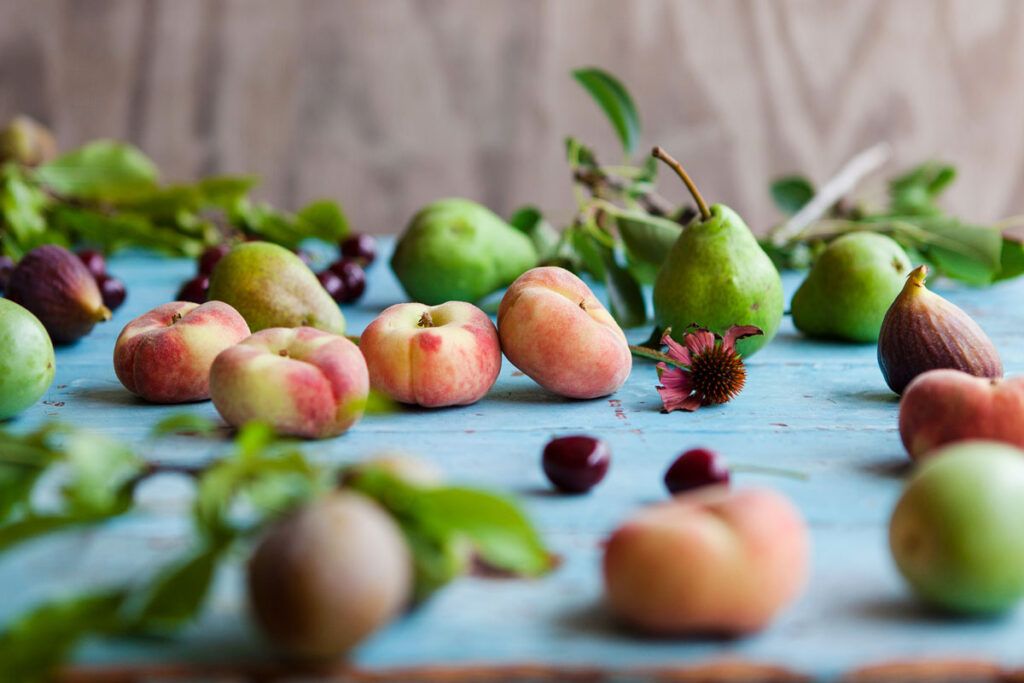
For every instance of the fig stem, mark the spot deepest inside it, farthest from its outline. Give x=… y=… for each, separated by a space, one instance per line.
x=917 y=276
x=659 y=153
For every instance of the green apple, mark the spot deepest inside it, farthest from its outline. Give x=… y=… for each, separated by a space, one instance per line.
x=27 y=363
x=957 y=533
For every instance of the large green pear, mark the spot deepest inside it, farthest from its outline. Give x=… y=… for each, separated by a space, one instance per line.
x=458 y=250
x=850 y=287
x=271 y=287
x=717 y=276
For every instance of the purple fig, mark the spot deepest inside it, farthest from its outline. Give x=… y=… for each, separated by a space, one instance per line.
x=55 y=285
x=922 y=332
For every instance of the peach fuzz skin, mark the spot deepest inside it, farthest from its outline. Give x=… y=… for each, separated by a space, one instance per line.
x=944 y=406
x=555 y=331
x=165 y=355
x=301 y=381
x=433 y=356
x=713 y=562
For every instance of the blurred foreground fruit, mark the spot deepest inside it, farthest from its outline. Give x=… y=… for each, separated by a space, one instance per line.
x=432 y=356
x=696 y=468
x=717 y=276
x=710 y=562
x=957 y=533
x=165 y=355
x=301 y=381
x=554 y=329
x=850 y=287
x=944 y=406
x=576 y=464
x=56 y=286
x=329 y=575
x=458 y=250
x=271 y=287
x=27 y=363
x=922 y=332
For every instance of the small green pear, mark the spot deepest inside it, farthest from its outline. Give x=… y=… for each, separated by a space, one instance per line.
x=271 y=287
x=717 y=275
x=458 y=250
x=850 y=287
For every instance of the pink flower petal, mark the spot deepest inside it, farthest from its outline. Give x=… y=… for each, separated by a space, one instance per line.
x=737 y=332
x=677 y=392
x=699 y=341
x=676 y=351
x=673 y=400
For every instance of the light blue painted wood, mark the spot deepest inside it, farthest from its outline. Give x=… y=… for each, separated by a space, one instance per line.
x=817 y=408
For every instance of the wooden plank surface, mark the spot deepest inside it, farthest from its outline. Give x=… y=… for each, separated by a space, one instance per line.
x=819 y=409
x=388 y=104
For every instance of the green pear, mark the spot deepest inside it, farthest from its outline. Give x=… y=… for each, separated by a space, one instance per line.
x=850 y=287
x=271 y=287
x=458 y=250
x=716 y=275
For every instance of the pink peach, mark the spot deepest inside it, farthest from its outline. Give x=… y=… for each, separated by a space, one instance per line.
x=711 y=562
x=943 y=406
x=165 y=355
x=301 y=381
x=555 y=330
x=432 y=356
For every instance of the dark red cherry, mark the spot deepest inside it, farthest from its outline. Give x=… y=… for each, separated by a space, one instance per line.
x=353 y=277
x=113 y=291
x=360 y=248
x=575 y=464
x=6 y=268
x=94 y=262
x=211 y=257
x=332 y=283
x=195 y=290
x=696 y=468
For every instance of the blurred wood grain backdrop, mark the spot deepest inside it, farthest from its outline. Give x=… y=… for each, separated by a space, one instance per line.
x=387 y=104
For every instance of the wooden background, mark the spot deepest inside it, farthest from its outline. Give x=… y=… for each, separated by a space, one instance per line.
x=387 y=104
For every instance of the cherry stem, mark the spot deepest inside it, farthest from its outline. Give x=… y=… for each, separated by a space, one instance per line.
x=426 y=320
x=775 y=471
x=659 y=153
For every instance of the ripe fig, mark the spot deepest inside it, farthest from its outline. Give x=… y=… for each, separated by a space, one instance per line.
x=56 y=286
x=329 y=575
x=922 y=332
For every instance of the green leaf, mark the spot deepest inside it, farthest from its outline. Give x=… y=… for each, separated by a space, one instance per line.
x=579 y=155
x=645 y=237
x=323 y=220
x=915 y=192
x=185 y=423
x=969 y=253
x=1011 y=261
x=500 y=533
x=586 y=250
x=625 y=297
x=112 y=232
x=37 y=642
x=176 y=595
x=104 y=170
x=616 y=103
x=529 y=220
x=100 y=469
x=791 y=193
x=34 y=525
x=22 y=207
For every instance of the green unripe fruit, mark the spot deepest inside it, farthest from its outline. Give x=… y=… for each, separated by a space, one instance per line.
x=27 y=363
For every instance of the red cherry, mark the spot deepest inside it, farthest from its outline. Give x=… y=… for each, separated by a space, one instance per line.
x=696 y=468
x=195 y=289
x=353 y=277
x=113 y=291
x=211 y=257
x=575 y=464
x=6 y=268
x=94 y=262
x=332 y=283
x=360 y=248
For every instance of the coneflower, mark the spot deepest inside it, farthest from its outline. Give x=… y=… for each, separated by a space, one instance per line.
x=712 y=370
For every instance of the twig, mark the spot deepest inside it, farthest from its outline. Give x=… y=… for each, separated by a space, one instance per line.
x=849 y=176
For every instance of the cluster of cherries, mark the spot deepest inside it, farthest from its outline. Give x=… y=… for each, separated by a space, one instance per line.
x=576 y=464
x=111 y=288
x=344 y=280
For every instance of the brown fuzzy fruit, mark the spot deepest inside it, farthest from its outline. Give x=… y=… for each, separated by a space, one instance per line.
x=56 y=286
x=329 y=575
x=922 y=332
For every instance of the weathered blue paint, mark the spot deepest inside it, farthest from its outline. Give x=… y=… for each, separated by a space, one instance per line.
x=817 y=408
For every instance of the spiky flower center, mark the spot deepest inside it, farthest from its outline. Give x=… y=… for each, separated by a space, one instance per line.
x=717 y=374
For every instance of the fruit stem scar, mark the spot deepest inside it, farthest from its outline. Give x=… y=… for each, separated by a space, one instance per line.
x=283 y=353
x=175 y=318
x=426 y=320
x=583 y=304
x=659 y=153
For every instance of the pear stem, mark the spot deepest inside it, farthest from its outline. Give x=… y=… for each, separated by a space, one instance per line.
x=659 y=153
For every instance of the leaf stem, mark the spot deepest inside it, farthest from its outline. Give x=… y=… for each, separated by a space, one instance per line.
x=655 y=355
x=659 y=153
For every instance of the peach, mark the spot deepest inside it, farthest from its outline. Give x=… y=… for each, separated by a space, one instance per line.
x=711 y=562
x=555 y=330
x=433 y=356
x=942 y=406
x=165 y=355
x=301 y=381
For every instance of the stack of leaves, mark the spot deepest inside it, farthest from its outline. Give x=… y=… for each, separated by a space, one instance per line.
x=260 y=479
x=107 y=195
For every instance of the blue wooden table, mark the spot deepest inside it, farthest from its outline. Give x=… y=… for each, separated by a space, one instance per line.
x=817 y=408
